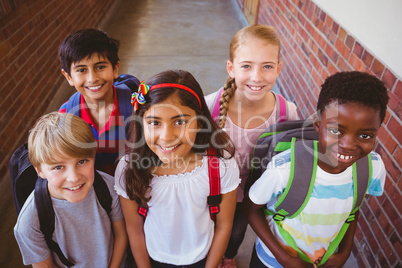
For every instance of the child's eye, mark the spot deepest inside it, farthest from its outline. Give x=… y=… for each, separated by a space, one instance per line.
x=82 y=161
x=246 y=66
x=100 y=67
x=268 y=67
x=181 y=122
x=153 y=123
x=81 y=70
x=57 y=167
x=366 y=136
x=334 y=131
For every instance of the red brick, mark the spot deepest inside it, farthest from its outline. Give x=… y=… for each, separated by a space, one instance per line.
x=332 y=68
x=392 y=213
x=398 y=89
x=367 y=58
x=343 y=66
x=387 y=140
x=392 y=169
x=356 y=63
x=395 y=128
x=398 y=156
x=350 y=41
x=358 y=50
x=377 y=68
x=393 y=102
x=342 y=48
x=389 y=79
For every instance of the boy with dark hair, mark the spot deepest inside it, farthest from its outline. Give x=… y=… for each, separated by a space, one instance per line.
x=62 y=149
x=350 y=110
x=89 y=61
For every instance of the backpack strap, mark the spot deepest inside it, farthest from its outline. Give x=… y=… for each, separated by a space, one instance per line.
x=215 y=108
x=281 y=110
x=102 y=193
x=124 y=97
x=73 y=104
x=215 y=197
x=46 y=216
x=298 y=192
x=127 y=81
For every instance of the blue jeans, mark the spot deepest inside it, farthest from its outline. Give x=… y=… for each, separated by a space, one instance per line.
x=199 y=264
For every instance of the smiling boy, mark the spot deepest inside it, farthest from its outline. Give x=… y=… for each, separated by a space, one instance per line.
x=350 y=110
x=62 y=150
x=90 y=63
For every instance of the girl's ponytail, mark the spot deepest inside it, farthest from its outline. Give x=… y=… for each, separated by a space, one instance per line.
x=228 y=91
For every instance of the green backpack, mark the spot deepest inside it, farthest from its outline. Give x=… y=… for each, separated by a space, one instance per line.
x=301 y=138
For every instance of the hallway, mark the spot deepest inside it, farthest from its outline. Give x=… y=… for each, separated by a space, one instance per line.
x=156 y=35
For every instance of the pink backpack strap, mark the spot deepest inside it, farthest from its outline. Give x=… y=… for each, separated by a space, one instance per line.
x=216 y=105
x=215 y=197
x=281 y=108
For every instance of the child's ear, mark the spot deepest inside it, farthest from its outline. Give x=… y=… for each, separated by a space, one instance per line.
x=229 y=68
x=68 y=77
x=279 y=68
x=116 y=70
x=316 y=124
x=40 y=173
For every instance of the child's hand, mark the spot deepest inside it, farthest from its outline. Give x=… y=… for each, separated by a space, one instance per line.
x=297 y=262
x=336 y=260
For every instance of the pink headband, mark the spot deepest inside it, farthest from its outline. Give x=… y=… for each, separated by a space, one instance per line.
x=138 y=97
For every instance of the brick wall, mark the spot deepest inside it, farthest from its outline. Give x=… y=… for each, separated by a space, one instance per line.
x=314 y=47
x=30 y=33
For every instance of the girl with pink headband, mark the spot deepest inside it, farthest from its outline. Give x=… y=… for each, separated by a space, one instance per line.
x=174 y=146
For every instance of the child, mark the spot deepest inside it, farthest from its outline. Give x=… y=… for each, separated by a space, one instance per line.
x=62 y=150
x=248 y=107
x=350 y=110
x=89 y=61
x=166 y=170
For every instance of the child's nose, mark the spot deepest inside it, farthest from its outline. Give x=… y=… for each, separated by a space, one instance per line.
x=92 y=76
x=73 y=175
x=256 y=75
x=168 y=133
x=347 y=142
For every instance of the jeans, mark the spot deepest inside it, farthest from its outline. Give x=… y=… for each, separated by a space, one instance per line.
x=238 y=231
x=199 y=264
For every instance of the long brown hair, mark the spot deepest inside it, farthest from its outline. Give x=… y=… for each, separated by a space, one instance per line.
x=138 y=177
x=263 y=32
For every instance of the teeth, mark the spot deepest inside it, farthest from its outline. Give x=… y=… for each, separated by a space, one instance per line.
x=255 y=88
x=75 y=188
x=94 y=88
x=346 y=157
x=169 y=148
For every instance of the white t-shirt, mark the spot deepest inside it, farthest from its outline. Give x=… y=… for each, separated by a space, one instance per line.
x=329 y=206
x=245 y=139
x=178 y=228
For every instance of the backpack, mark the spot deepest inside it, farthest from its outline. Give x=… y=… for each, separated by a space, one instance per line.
x=215 y=196
x=281 y=112
x=24 y=180
x=301 y=138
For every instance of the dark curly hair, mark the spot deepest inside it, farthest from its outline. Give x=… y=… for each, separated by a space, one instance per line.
x=354 y=86
x=84 y=43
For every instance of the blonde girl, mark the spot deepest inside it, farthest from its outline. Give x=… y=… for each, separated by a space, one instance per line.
x=246 y=106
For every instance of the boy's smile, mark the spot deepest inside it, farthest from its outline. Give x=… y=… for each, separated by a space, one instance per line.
x=93 y=77
x=347 y=132
x=69 y=178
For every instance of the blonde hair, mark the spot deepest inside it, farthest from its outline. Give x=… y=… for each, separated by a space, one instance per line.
x=263 y=32
x=57 y=134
